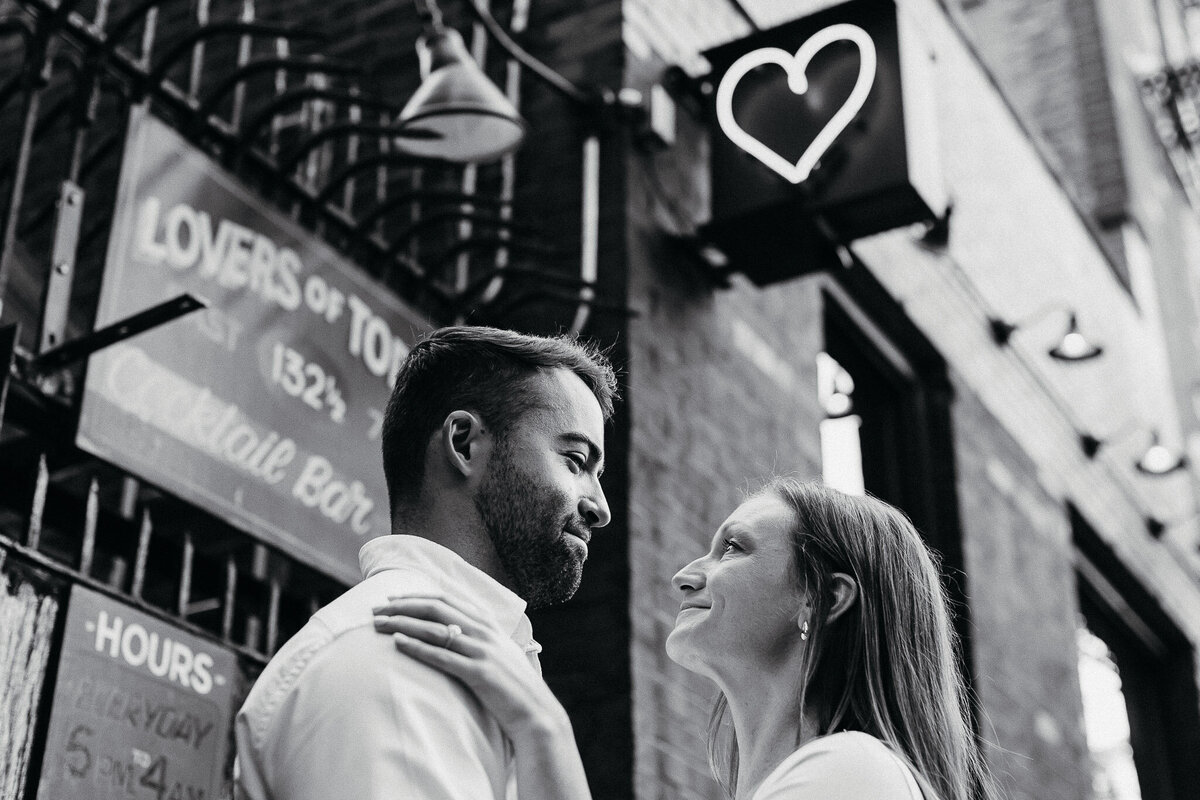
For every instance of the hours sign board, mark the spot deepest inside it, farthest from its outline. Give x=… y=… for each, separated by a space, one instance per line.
x=265 y=407
x=141 y=708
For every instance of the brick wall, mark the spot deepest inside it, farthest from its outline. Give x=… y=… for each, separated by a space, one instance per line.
x=1049 y=61
x=1021 y=588
x=708 y=423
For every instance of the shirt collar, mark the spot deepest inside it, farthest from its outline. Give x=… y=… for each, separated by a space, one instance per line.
x=452 y=573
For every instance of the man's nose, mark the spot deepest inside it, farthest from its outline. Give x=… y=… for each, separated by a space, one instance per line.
x=594 y=509
x=690 y=578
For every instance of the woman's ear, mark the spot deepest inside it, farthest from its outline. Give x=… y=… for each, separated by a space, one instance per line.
x=845 y=594
x=464 y=442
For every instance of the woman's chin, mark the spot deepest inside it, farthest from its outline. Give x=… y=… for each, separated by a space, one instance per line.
x=679 y=650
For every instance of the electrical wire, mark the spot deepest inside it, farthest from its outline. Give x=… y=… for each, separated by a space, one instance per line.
x=509 y=45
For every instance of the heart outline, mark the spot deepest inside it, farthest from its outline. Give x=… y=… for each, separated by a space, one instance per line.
x=796 y=66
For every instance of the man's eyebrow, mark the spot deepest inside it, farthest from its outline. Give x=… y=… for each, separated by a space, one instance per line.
x=595 y=454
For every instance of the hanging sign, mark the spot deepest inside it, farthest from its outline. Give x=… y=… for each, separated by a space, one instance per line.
x=823 y=130
x=141 y=709
x=265 y=408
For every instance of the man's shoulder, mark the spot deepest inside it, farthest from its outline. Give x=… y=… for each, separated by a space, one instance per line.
x=352 y=609
x=338 y=680
x=337 y=650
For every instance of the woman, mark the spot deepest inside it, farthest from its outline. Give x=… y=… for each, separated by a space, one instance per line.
x=822 y=620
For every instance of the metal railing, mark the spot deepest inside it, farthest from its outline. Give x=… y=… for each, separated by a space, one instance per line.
x=296 y=124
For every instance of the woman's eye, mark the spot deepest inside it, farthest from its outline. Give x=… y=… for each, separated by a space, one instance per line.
x=728 y=546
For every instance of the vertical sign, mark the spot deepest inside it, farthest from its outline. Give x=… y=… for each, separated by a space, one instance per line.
x=827 y=117
x=264 y=408
x=141 y=708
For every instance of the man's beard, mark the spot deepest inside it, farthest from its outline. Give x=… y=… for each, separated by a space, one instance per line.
x=525 y=523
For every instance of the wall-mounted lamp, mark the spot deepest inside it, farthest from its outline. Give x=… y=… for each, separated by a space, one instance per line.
x=473 y=119
x=935 y=234
x=1156 y=460
x=1072 y=347
x=1157 y=527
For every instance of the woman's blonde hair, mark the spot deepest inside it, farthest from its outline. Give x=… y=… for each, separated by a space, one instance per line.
x=889 y=665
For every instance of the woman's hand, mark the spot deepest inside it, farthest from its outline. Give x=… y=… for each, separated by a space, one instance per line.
x=445 y=635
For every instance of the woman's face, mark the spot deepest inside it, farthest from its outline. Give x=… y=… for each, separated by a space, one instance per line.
x=741 y=602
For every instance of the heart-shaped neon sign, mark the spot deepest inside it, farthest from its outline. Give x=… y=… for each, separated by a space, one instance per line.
x=796 y=67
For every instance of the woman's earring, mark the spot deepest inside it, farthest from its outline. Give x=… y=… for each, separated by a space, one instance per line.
x=804 y=631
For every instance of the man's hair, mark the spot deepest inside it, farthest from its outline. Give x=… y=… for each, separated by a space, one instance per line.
x=485 y=370
x=890 y=665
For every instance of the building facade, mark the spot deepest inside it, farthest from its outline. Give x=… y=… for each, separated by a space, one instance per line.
x=911 y=362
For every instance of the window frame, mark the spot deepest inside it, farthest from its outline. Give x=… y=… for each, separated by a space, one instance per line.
x=1155 y=660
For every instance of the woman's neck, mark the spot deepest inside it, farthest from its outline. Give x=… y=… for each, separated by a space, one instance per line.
x=767 y=723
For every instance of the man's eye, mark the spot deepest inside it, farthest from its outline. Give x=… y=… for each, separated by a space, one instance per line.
x=728 y=546
x=578 y=462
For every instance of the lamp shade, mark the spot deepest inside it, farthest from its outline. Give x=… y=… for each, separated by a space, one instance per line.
x=1074 y=347
x=471 y=118
x=1159 y=459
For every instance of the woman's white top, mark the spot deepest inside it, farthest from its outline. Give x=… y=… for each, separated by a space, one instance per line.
x=841 y=766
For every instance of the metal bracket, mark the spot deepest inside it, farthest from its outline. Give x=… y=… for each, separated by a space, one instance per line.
x=120 y=330
x=56 y=303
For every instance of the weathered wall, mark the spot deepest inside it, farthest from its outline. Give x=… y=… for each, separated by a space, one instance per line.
x=27 y=617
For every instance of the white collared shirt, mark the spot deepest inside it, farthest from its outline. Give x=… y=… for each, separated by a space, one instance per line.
x=340 y=713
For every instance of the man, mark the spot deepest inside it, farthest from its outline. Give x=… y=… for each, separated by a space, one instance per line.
x=492 y=451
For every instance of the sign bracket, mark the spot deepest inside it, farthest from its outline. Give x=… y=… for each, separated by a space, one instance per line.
x=62 y=266
x=77 y=349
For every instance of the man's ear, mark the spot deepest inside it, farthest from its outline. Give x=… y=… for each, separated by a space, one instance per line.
x=845 y=594
x=464 y=442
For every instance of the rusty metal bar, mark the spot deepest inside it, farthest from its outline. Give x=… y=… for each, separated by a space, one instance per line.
x=290 y=97
x=352 y=154
x=252 y=631
x=345 y=177
x=306 y=64
x=125 y=24
x=148 y=34
x=129 y=496
x=273 y=615
x=116 y=572
x=209 y=30
x=185 y=575
x=91 y=518
x=101 y=18
x=83 y=123
x=38 y=506
x=245 y=51
x=258 y=570
x=292 y=160
x=231 y=578
x=196 y=68
x=9 y=334
x=35 y=53
x=143 y=553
